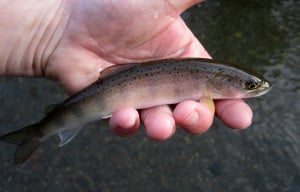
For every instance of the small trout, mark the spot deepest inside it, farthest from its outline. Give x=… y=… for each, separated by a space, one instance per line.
x=139 y=85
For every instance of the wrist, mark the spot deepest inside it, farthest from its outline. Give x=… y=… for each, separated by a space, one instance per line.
x=29 y=30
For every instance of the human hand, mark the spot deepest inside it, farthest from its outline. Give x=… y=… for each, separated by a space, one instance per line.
x=85 y=37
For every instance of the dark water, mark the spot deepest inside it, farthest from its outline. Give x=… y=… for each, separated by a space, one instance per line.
x=265 y=36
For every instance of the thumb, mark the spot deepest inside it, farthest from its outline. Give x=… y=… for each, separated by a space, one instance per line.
x=181 y=5
x=74 y=68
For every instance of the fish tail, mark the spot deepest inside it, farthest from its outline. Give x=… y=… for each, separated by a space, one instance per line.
x=27 y=141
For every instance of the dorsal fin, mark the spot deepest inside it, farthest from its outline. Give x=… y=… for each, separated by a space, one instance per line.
x=51 y=107
x=115 y=69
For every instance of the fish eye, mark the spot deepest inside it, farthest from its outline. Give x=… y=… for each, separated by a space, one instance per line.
x=252 y=84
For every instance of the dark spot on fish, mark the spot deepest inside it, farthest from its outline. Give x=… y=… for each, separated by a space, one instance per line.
x=229 y=80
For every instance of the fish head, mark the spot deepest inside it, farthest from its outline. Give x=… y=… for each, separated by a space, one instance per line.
x=254 y=87
x=237 y=84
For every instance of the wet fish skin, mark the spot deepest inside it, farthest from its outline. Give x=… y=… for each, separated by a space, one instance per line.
x=139 y=85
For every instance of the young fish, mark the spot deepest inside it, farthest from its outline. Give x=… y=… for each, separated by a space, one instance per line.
x=138 y=85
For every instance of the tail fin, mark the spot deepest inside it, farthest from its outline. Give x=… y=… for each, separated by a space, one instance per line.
x=27 y=141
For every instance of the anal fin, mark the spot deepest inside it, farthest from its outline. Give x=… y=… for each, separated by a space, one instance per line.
x=67 y=135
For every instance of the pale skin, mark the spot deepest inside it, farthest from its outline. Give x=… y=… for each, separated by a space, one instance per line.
x=72 y=41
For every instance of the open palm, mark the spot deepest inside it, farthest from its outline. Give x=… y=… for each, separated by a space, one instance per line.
x=98 y=34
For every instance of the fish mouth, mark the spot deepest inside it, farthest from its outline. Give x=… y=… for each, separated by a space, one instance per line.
x=266 y=86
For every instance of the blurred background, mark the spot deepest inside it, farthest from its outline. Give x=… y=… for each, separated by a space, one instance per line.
x=260 y=34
